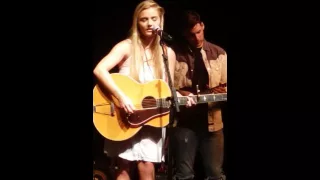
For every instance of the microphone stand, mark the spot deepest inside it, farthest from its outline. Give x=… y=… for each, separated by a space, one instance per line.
x=174 y=106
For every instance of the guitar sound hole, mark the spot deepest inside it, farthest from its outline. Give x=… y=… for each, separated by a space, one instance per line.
x=149 y=102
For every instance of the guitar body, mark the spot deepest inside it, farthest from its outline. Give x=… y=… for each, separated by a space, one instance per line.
x=113 y=123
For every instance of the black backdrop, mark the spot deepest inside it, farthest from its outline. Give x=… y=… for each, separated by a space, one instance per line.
x=271 y=78
x=112 y=22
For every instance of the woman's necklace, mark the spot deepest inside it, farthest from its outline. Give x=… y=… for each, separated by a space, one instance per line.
x=145 y=55
x=147 y=61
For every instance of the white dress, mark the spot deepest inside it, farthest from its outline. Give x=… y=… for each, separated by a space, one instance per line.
x=147 y=144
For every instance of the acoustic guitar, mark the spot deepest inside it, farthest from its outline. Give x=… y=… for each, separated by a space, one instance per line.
x=152 y=103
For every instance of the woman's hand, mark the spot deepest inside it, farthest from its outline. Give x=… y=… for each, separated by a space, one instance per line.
x=127 y=104
x=190 y=101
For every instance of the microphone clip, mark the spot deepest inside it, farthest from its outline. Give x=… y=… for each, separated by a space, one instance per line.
x=163 y=35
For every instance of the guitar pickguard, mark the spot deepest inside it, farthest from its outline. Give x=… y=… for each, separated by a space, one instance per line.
x=150 y=111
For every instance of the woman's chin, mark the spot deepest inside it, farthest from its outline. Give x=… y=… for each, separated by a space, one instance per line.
x=149 y=35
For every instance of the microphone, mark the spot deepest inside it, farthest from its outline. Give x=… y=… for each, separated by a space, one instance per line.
x=161 y=33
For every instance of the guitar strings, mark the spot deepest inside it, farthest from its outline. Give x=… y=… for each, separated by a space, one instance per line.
x=153 y=103
x=156 y=102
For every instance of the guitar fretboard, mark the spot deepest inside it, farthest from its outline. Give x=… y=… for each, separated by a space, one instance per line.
x=204 y=98
x=163 y=103
x=198 y=99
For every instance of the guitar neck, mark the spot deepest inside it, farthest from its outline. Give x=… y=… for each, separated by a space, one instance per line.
x=203 y=98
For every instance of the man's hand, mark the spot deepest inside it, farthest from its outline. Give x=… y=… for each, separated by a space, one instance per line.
x=219 y=89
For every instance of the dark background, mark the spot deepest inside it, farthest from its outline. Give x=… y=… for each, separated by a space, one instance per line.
x=111 y=25
x=272 y=84
x=50 y=48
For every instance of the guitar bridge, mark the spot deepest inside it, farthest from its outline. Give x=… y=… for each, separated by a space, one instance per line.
x=103 y=109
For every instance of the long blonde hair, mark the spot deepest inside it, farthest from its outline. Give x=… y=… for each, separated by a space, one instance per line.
x=136 y=58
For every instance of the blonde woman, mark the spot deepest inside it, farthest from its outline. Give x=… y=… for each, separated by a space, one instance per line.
x=140 y=57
